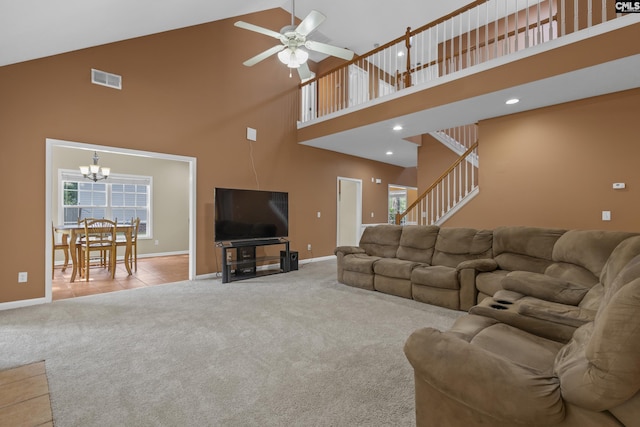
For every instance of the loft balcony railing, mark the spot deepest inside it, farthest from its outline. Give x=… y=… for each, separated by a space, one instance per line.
x=472 y=35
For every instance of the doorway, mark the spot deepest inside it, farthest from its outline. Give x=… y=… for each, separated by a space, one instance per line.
x=52 y=144
x=349 y=223
x=400 y=198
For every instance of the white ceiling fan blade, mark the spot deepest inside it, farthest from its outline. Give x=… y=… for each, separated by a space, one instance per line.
x=329 y=50
x=264 y=55
x=304 y=72
x=310 y=23
x=261 y=30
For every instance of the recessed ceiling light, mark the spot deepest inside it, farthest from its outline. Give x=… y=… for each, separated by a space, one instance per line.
x=389 y=153
x=512 y=101
x=397 y=127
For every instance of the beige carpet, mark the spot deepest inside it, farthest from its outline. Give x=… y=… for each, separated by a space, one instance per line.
x=294 y=349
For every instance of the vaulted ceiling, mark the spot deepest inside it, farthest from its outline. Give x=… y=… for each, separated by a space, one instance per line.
x=32 y=29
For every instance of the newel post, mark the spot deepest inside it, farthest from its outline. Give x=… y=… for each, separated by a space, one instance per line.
x=407 y=43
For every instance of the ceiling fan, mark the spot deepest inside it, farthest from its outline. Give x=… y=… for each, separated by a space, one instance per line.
x=293 y=39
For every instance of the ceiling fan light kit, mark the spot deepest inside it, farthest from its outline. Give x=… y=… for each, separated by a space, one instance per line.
x=293 y=58
x=292 y=39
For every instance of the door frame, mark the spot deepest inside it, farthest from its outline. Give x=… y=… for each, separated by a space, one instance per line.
x=358 y=224
x=51 y=142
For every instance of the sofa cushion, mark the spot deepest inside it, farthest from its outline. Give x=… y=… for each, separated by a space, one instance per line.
x=518 y=391
x=588 y=248
x=599 y=368
x=619 y=258
x=524 y=248
x=455 y=245
x=359 y=263
x=573 y=273
x=436 y=276
x=490 y=283
x=544 y=287
x=381 y=240
x=417 y=243
x=393 y=267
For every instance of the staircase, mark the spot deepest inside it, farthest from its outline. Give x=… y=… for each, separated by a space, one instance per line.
x=455 y=187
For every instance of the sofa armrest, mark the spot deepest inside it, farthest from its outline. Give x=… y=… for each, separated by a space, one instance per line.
x=557 y=313
x=346 y=250
x=467 y=272
x=481 y=265
x=544 y=287
x=483 y=381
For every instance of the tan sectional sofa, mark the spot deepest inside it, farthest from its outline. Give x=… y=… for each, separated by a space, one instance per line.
x=553 y=331
x=420 y=262
x=486 y=372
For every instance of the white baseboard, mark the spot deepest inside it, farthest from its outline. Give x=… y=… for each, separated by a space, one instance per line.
x=22 y=303
x=322 y=258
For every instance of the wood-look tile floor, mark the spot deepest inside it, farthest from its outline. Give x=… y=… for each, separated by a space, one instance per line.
x=151 y=271
x=24 y=396
x=24 y=391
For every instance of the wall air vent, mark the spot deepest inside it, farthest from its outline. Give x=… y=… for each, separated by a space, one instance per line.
x=106 y=79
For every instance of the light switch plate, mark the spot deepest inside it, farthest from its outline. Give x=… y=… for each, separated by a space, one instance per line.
x=606 y=215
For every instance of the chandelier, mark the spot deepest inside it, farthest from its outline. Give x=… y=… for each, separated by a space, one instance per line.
x=94 y=172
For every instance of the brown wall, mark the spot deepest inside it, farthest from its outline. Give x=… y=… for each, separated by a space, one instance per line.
x=185 y=92
x=433 y=159
x=555 y=166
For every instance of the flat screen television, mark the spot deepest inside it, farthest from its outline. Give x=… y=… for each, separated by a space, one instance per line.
x=250 y=214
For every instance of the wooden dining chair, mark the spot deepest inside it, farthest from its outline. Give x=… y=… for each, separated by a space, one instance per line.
x=121 y=241
x=99 y=236
x=63 y=246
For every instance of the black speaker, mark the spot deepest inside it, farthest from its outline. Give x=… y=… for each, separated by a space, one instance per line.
x=293 y=260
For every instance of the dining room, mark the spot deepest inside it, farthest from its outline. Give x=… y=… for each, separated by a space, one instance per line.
x=124 y=188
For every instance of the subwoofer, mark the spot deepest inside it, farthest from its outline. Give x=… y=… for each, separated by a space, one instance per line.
x=293 y=260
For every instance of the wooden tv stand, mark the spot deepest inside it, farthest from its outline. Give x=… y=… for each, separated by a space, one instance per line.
x=244 y=264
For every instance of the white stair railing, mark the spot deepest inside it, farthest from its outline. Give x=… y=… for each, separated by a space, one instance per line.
x=458 y=139
x=457 y=185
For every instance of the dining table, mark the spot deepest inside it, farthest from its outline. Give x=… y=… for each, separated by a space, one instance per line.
x=74 y=230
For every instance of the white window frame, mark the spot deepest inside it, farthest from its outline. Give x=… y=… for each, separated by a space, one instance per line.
x=66 y=175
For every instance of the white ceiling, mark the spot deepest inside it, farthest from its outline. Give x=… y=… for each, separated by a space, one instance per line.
x=32 y=29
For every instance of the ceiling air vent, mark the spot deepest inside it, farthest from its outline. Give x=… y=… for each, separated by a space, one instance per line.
x=106 y=79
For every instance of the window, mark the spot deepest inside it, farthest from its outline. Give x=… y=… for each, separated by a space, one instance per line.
x=121 y=198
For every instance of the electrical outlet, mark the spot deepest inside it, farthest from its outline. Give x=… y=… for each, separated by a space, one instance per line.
x=22 y=277
x=157 y=242
x=606 y=215
x=309 y=247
